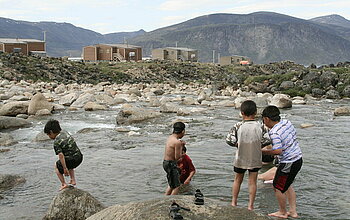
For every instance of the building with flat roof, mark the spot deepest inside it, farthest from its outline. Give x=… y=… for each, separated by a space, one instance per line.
x=175 y=53
x=235 y=59
x=112 y=52
x=25 y=46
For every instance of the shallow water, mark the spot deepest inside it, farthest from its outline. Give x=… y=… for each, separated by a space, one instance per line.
x=118 y=168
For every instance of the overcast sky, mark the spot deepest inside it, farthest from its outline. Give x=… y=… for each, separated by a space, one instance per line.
x=108 y=16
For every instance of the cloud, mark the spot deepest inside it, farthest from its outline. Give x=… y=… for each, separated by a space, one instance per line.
x=175 y=5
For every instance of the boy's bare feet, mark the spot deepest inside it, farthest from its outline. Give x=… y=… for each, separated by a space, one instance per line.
x=234 y=204
x=293 y=214
x=71 y=182
x=250 y=208
x=63 y=187
x=278 y=215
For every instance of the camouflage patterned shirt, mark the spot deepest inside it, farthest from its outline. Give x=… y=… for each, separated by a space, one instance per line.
x=64 y=143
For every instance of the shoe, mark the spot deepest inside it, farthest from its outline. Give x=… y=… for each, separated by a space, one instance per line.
x=199 y=198
x=174 y=211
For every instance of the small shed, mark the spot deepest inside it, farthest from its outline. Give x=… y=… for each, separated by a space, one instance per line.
x=175 y=53
x=25 y=46
x=235 y=59
x=112 y=52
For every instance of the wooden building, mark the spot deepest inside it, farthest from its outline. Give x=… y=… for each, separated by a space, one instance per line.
x=25 y=46
x=175 y=53
x=235 y=59
x=112 y=52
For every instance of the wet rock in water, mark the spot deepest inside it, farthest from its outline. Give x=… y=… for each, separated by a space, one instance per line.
x=23 y=116
x=169 y=108
x=306 y=125
x=130 y=114
x=189 y=101
x=14 y=108
x=39 y=102
x=12 y=122
x=41 y=137
x=346 y=91
x=281 y=101
x=72 y=203
x=68 y=99
x=205 y=95
x=92 y=106
x=8 y=181
x=43 y=112
x=83 y=99
x=332 y=94
x=342 y=111
x=159 y=209
x=88 y=130
x=7 y=140
x=4 y=150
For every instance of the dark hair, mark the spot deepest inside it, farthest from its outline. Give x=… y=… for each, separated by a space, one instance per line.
x=178 y=127
x=272 y=112
x=184 y=149
x=248 y=107
x=52 y=126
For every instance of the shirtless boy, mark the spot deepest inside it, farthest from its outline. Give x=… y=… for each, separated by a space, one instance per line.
x=172 y=154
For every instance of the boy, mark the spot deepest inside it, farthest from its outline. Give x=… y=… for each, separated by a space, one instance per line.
x=67 y=150
x=285 y=145
x=248 y=136
x=186 y=166
x=172 y=154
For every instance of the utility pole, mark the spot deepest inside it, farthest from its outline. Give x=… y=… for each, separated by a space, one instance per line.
x=219 y=57
x=213 y=56
x=175 y=43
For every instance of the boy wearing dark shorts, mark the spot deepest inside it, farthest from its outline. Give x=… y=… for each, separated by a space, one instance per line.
x=67 y=150
x=248 y=136
x=286 y=146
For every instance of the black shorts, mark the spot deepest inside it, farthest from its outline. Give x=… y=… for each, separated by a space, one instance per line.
x=70 y=163
x=240 y=170
x=172 y=173
x=285 y=174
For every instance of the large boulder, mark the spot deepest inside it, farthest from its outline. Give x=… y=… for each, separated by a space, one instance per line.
x=9 y=181
x=14 y=108
x=342 y=111
x=68 y=99
x=73 y=203
x=205 y=94
x=83 y=99
x=6 y=140
x=130 y=114
x=159 y=209
x=11 y=122
x=281 y=101
x=38 y=102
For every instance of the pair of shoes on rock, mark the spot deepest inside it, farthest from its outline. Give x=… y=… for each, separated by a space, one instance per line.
x=174 y=211
x=198 y=198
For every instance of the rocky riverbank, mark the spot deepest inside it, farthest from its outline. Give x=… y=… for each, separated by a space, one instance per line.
x=329 y=81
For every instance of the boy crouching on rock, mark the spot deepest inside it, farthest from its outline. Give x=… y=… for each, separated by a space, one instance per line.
x=67 y=150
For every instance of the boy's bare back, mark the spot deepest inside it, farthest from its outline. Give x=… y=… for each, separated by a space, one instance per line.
x=173 y=148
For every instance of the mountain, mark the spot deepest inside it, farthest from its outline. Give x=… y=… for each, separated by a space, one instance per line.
x=263 y=36
x=63 y=39
x=332 y=20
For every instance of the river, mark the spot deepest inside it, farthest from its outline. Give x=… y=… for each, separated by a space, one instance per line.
x=119 y=168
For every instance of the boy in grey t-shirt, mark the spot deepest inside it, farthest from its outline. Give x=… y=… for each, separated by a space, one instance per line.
x=248 y=136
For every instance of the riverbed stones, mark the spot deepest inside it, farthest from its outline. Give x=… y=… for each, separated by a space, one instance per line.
x=281 y=101
x=342 y=111
x=73 y=203
x=8 y=181
x=92 y=106
x=83 y=99
x=39 y=102
x=7 y=140
x=14 y=108
x=159 y=209
x=12 y=122
x=129 y=114
x=68 y=99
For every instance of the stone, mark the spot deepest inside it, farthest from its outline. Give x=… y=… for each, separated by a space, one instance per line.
x=38 y=102
x=14 y=108
x=159 y=209
x=342 y=111
x=11 y=122
x=43 y=112
x=73 y=203
x=281 y=101
x=92 y=106
x=68 y=99
x=189 y=101
x=104 y=99
x=286 y=85
x=306 y=125
x=169 y=108
x=205 y=95
x=8 y=181
x=83 y=99
x=41 y=137
x=130 y=114
x=317 y=92
x=332 y=94
x=7 y=140
x=346 y=91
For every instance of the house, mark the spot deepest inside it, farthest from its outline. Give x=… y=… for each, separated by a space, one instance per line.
x=175 y=53
x=112 y=52
x=235 y=59
x=25 y=46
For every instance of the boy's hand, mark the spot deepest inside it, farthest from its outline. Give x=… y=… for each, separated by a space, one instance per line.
x=65 y=170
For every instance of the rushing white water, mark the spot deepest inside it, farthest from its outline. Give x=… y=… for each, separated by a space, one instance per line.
x=119 y=168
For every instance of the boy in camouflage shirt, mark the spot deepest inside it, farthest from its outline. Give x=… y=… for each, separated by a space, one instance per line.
x=67 y=150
